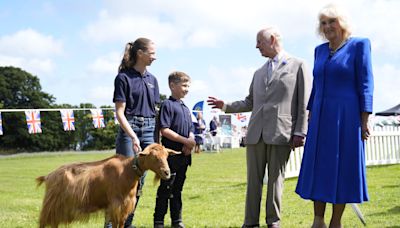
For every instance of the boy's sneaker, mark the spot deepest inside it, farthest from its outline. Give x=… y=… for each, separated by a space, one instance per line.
x=178 y=225
x=158 y=225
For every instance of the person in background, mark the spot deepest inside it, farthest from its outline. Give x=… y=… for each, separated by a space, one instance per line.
x=243 y=133
x=199 y=128
x=213 y=126
x=177 y=134
x=333 y=166
x=277 y=97
x=136 y=94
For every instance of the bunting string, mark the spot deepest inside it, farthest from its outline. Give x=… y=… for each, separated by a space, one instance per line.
x=67 y=116
x=51 y=109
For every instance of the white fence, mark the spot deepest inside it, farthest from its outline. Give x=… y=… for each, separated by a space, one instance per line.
x=383 y=147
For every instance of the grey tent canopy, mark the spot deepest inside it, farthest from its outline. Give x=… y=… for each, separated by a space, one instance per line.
x=390 y=112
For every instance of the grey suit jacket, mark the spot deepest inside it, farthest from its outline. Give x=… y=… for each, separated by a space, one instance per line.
x=278 y=108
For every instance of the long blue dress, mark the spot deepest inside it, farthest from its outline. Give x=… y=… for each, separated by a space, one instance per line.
x=333 y=166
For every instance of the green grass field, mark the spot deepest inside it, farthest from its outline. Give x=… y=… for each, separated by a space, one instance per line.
x=213 y=195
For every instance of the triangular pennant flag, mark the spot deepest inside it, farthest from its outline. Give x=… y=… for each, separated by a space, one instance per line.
x=33 y=121
x=241 y=117
x=98 y=118
x=198 y=107
x=194 y=119
x=68 y=119
x=115 y=117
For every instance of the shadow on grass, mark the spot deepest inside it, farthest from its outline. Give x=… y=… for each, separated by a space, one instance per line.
x=238 y=185
x=381 y=166
x=391 y=186
x=194 y=197
x=394 y=210
x=229 y=186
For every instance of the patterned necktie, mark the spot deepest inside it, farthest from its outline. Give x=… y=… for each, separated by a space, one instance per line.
x=269 y=72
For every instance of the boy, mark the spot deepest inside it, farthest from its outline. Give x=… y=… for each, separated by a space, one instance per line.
x=177 y=134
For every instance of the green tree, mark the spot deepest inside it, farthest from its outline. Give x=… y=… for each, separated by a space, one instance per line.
x=83 y=123
x=163 y=97
x=102 y=138
x=21 y=90
x=70 y=138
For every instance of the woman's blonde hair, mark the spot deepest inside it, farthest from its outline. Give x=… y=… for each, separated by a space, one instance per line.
x=334 y=11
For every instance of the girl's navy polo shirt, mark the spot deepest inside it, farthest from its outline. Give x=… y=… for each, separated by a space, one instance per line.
x=140 y=93
x=176 y=116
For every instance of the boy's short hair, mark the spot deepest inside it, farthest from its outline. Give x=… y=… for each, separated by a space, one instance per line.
x=178 y=77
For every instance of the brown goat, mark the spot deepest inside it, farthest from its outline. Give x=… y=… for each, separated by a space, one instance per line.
x=74 y=191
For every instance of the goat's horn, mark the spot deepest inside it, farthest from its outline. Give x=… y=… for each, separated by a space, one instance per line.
x=172 y=151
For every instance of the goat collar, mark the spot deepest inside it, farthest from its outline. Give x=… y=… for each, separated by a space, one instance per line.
x=136 y=167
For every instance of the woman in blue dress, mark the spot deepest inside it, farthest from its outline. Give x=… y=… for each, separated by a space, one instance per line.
x=333 y=166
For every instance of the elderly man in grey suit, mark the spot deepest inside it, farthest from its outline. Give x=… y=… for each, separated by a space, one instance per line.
x=278 y=97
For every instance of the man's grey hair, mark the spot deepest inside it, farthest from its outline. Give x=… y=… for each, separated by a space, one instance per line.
x=267 y=32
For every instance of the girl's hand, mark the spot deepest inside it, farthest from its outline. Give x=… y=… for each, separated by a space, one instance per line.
x=136 y=145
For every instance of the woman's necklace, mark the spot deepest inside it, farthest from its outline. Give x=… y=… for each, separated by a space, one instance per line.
x=333 y=51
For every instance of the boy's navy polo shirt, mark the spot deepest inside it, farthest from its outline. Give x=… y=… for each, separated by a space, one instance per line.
x=176 y=116
x=140 y=93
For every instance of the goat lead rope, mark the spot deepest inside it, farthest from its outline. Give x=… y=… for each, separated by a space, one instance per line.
x=136 y=167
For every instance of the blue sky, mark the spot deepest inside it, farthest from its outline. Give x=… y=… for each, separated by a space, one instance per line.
x=75 y=47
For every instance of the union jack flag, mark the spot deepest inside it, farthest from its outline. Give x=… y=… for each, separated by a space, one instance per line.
x=115 y=117
x=33 y=121
x=98 y=118
x=241 y=117
x=67 y=117
x=1 y=126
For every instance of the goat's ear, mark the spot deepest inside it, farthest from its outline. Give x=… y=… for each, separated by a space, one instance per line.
x=172 y=151
x=145 y=151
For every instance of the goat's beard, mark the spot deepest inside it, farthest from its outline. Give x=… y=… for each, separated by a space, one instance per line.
x=156 y=179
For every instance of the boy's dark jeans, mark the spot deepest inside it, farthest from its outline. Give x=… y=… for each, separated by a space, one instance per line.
x=171 y=190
